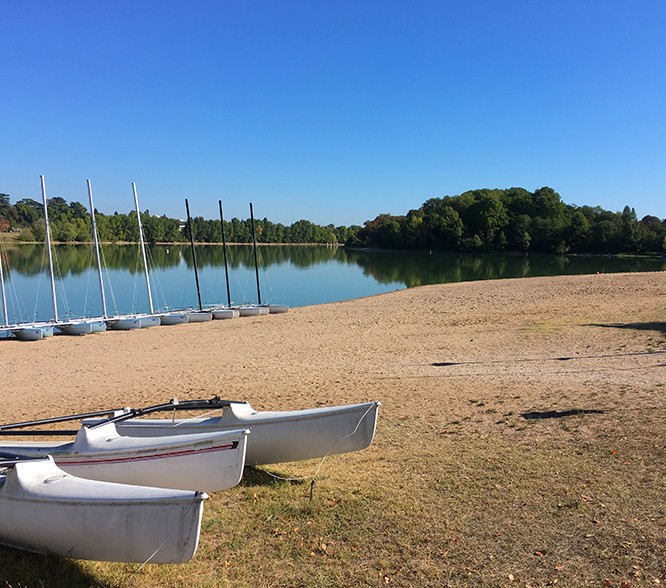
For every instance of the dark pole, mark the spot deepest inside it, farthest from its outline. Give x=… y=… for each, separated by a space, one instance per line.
x=194 y=254
x=224 y=250
x=256 y=264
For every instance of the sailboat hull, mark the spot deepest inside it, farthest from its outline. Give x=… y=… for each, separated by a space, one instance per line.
x=252 y=310
x=123 y=324
x=225 y=313
x=174 y=318
x=45 y=510
x=277 y=437
x=149 y=321
x=79 y=328
x=208 y=461
x=199 y=316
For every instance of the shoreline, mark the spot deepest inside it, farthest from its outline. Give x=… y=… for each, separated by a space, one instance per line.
x=340 y=352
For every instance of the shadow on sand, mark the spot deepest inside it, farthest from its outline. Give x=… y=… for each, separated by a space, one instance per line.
x=559 y=414
x=660 y=327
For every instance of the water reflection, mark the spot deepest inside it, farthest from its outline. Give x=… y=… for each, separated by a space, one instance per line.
x=295 y=275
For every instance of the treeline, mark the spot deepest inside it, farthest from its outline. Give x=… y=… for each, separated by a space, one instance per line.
x=514 y=219
x=479 y=220
x=70 y=223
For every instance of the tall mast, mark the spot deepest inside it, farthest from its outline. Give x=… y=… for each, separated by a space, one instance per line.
x=256 y=264
x=224 y=250
x=194 y=253
x=2 y=287
x=48 y=246
x=143 y=250
x=96 y=239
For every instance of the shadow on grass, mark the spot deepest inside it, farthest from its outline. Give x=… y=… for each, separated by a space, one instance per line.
x=559 y=414
x=22 y=568
x=253 y=476
x=660 y=327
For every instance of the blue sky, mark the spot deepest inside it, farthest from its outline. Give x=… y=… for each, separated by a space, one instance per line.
x=332 y=111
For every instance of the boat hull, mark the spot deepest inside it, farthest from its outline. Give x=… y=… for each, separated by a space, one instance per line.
x=45 y=510
x=252 y=310
x=98 y=326
x=123 y=324
x=149 y=321
x=208 y=461
x=78 y=328
x=199 y=316
x=278 y=437
x=225 y=313
x=174 y=318
x=29 y=334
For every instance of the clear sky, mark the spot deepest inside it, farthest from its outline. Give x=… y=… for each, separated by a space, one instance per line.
x=332 y=110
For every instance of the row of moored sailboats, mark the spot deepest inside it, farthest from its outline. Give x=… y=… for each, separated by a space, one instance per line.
x=81 y=326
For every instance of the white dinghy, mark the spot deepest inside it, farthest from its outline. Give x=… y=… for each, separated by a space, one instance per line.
x=276 y=437
x=45 y=510
x=224 y=313
x=208 y=460
x=174 y=318
x=123 y=323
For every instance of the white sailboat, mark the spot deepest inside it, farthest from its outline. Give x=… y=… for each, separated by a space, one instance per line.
x=277 y=436
x=201 y=315
x=259 y=309
x=152 y=318
x=40 y=330
x=46 y=510
x=209 y=461
x=22 y=333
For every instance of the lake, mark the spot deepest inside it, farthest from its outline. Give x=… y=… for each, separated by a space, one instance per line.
x=297 y=275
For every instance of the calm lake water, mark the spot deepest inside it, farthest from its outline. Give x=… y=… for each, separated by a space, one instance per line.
x=293 y=275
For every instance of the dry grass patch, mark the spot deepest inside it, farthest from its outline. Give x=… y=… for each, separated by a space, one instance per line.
x=427 y=510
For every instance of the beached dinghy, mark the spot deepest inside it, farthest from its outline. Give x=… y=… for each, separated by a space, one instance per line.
x=45 y=510
x=224 y=313
x=208 y=460
x=276 y=437
x=123 y=323
x=174 y=318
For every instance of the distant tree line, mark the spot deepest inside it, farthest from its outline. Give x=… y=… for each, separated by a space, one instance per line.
x=477 y=220
x=71 y=222
x=514 y=219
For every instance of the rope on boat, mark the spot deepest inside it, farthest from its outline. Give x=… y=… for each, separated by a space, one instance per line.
x=313 y=478
x=175 y=528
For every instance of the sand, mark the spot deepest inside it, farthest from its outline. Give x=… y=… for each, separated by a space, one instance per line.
x=455 y=355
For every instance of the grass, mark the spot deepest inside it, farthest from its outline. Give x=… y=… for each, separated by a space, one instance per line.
x=535 y=505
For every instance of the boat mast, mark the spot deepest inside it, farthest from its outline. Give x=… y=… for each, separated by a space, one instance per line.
x=96 y=239
x=224 y=250
x=4 y=299
x=194 y=254
x=256 y=264
x=48 y=246
x=143 y=250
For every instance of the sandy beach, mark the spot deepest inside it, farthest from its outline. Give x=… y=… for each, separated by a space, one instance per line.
x=535 y=344
x=520 y=441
